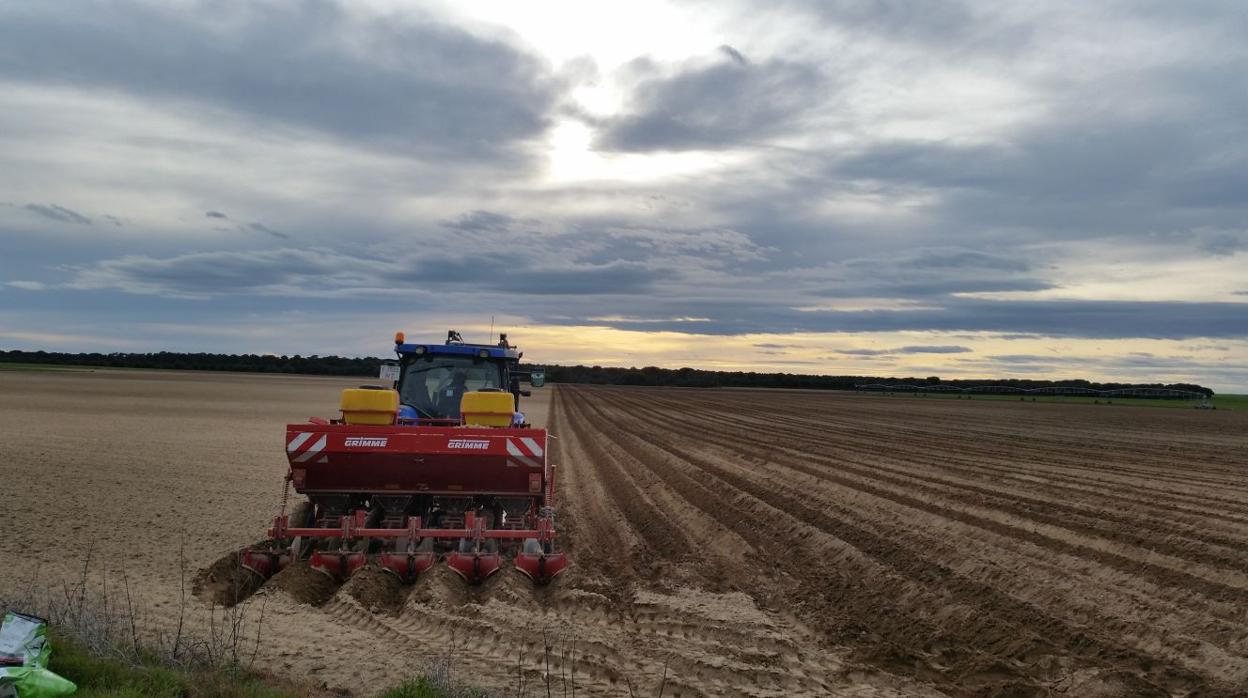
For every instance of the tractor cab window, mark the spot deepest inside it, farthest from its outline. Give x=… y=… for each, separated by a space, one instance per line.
x=435 y=384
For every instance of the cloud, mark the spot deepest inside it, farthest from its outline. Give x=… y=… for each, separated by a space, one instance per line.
x=929 y=22
x=215 y=214
x=865 y=352
x=322 y=272
x=1087 y=173
x=912 y=349
x=290 y=272
x=619 y=278
x=262 y=228
x=734 y=54
x=480 y=221
x=399 y=81
x=1225 y=244
x=963 y=260
x=712 y=105
x=1050 y=318
x=1022 y=358
x=516 y=274
x=937 y=349
x=58 y=213
x=926 y=272
x=27 y=285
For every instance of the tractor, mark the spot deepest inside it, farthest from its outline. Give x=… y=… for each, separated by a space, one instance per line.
x=438 y=463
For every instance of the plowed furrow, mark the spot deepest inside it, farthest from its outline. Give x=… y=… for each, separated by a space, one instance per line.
x=928 y=584
x=864 y=544
x=1125 y=456
x=815 y=441
x=1058 y=527
x=981 y=453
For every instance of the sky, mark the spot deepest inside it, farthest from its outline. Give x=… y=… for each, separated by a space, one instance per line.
x=871 y=187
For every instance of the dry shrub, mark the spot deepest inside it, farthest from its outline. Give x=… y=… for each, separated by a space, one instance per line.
x=102 y=611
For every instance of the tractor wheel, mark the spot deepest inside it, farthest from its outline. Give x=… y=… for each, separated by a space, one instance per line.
x=532 y=547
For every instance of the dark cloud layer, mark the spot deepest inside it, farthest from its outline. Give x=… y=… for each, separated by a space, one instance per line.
x=58 y=213
x=729 y=102
x=316 y=272
x=480 y=221
x=1057 y=318
x=420 y=85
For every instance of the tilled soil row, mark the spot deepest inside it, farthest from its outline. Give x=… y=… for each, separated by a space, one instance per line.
x=881 y=586
x=975 y=471
x=984 y=507
x=1075 y=464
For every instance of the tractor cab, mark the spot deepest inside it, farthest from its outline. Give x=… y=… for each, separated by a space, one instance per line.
x=433 y=379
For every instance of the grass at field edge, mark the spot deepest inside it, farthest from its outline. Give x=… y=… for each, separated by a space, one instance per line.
x=107 y=677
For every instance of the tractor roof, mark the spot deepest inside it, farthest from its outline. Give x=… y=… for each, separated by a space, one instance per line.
x=492 y=351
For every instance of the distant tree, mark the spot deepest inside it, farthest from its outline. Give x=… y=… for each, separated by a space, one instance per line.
x=601 y=375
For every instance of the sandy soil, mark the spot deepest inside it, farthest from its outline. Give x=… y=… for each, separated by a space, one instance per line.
x=738 y=542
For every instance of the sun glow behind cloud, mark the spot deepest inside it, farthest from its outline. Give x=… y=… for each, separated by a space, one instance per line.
x=572 y=159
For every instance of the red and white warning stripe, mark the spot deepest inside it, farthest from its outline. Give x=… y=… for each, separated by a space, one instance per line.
x=524 y=451
x=306 y=453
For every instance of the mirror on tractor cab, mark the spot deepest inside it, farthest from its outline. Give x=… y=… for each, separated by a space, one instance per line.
x=537 y=377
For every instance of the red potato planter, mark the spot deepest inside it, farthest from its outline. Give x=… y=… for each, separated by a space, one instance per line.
x=454 y=472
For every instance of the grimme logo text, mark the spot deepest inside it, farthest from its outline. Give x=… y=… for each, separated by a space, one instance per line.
x=468 y=443
x=365 y=441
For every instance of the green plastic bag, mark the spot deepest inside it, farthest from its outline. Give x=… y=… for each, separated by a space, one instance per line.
x=33 y=682
x=24 y=649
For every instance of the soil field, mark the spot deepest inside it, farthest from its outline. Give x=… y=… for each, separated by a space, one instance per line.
x=723 y=542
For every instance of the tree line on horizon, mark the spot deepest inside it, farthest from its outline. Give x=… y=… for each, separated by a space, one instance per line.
x=601 y=375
